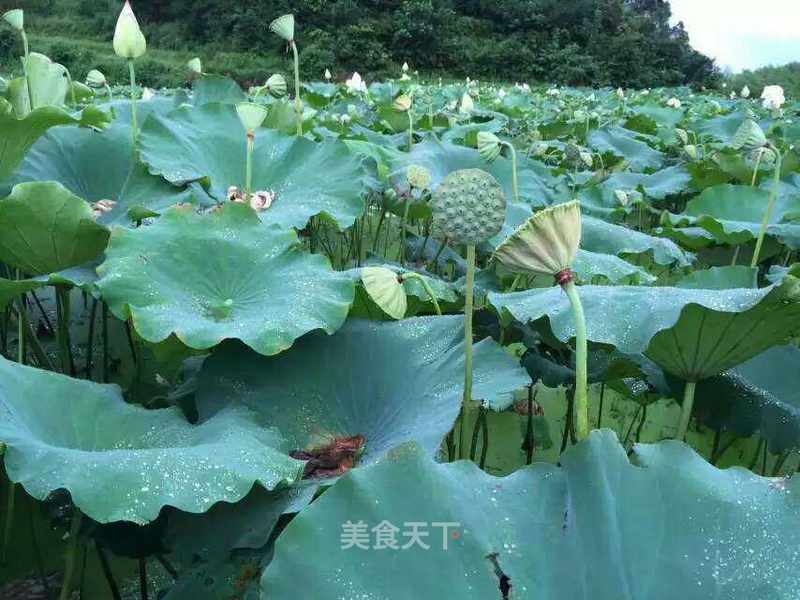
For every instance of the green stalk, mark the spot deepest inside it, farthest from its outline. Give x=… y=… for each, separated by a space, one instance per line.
x=110 y=95
x=63 y=305
x=248 y=186
x=758 y=165
x=134 y=124
x=581 y=366
x=770 y=207
x=514 y=177
x=410 y=130
x=26 y=53
x=468 y=307
x=428 y=289
x=298 y=104
x=403 y=233
x=686 y=410
x=72 y=555
x=71 y=89
x=12 y=494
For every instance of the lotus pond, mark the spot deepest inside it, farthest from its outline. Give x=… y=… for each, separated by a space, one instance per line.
x=405 y=339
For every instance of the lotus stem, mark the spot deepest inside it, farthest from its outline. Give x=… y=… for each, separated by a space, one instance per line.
x=773 y=195
x=581 y=362
x=403 y=233
x=298 y=104
x=110 y=95
x=71 y=88
x=134 y=125
x=468 y=307
x=428 y=289
x=758 y=165
x=9 y=525
x=72 y=552
x=63 y=310
x=410 y=130
x=248 y=185
x=514 y=177
x=26 y=53
x=686 y=410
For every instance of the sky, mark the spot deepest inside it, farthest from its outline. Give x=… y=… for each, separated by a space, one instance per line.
x=742 y=34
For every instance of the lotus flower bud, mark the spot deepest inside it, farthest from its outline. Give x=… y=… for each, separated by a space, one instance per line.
x=467 y=105
x=418 y=177
x=251 y=115
x=402 y=103
x=328 y=75
x=620 y=93
x=95 y=79
x=129 y=40
x=772 y=97
x=283 y=27
x=356 y=84
x=405 y=67
x=749 y=136
x=276 y=86
x=147 y=94
x=546 y=244
x=745 y=93
x=489 y=146
x=15 y=18
x=195 y=66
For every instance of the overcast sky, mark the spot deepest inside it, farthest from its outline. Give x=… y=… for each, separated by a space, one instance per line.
x=742 y=34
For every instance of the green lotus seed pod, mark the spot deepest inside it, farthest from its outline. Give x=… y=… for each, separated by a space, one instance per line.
x=95 y=79
x=489 y=146
x=276 y=86
x=15 y=18
x=469 y=206
x=283 y=27
x=418 y=177
x=545 y=244
x=251 y=115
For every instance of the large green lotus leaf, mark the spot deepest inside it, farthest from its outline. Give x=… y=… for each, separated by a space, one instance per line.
x=724 y=127
x=20 y=134
x=44 y=228
x=663 y=115
x=721 y=278
x=225 y=527
x=208 y=143
x=626 y=144
x=391 y=382
x=759 y=396
x=547 y=533
x=657 y=186
x=601 y=236
x=48 y=79
x=11 y=288
x=216 y=88
x=733 y=214
x=692 y=333
x=537 y=185
x=99 y=166
x=206 y=278
x=121 y=462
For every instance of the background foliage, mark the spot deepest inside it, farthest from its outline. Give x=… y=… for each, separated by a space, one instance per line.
x=627 y=43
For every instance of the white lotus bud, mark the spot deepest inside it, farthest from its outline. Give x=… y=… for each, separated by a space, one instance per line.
x=129 y=40
x=467 y=105
x=328 y=75
x=772 y=97
x=356 y=84
x=147 y=94
x=620 y=93
x=15 y=18
x=405 y=67
x=195 y=66
x=745 y=93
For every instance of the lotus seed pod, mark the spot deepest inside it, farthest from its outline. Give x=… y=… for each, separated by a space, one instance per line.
x=749 y=136
x=195 y=66
x=251 y=115
x=276 y=86
x=469 y=206
x=545 y=244
x=283 y=27
x=15 y=18
x=402 y=103
x=385 y=289
x=489 y=146
x=418 y=177
x=95 y=79
x=129 y=40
